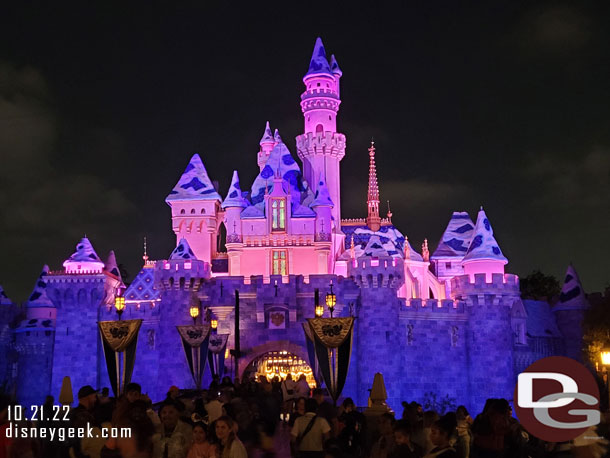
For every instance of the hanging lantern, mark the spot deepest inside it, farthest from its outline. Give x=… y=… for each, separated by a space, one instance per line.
x=194 y=312
x=331 y=300
x=119 y=305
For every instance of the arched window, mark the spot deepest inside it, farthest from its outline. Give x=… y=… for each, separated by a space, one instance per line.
x=278 y=215
x=192 y=211
x=203 y=211
x=319 y=128
x=183 y=211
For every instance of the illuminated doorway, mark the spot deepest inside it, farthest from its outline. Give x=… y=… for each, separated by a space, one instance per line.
x=280 y=364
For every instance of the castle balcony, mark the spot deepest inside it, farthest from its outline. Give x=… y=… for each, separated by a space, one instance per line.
x=332 y=143
x=279 y=240
x=318 y=93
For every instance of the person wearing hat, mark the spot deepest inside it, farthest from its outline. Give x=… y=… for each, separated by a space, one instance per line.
x=172 y=398
x=82 y=417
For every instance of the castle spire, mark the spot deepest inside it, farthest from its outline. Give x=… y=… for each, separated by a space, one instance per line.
x=267 y=135
x=319 y=62
x=373 y=221
x=425 y=251
x=145 y=257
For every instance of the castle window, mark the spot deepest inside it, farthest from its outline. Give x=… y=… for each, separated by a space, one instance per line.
x=330 y=118
x=319 y=128
x=183 y=211
x=447 y=265
x=192 y=211
x=278 y=215
x=203 y=211
x=279 y=263
x=318 y=84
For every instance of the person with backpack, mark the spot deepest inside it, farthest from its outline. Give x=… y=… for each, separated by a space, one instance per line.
x=310 y=432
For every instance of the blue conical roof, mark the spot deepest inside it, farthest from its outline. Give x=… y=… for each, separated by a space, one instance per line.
x=374 y=248
x=182 y=252
x=39 y=297
x=572 y=294
x=280 y=162
x=322 y=197
x=319 y=63
x=334 y=66
x=84 y=252
x=194 y=184
x=234 y=196
x=456 y=238
x=267 y=135
x=483 y=245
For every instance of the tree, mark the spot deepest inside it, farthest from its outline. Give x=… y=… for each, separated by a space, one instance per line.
x=539 y=286
x=596 y=328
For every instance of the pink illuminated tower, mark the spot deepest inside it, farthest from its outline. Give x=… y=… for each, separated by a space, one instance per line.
x=321 y=147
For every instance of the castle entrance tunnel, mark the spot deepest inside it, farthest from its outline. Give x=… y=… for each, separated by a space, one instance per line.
x=279 y=364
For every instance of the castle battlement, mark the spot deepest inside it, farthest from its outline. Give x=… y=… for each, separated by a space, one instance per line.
x=369 y=272
x=330 y=143
x=502 y=284
x=181 y=274
x=80 y=273
x=434 y=305
x=76 y=277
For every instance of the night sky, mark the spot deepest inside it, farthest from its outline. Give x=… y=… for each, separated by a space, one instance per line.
x=505 y=105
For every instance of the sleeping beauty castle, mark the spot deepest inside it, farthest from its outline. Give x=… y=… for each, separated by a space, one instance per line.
x=448 y=322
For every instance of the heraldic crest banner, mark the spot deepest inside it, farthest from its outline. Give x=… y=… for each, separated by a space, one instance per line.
x=195 y=344
x=216 y=353
x=332 y=338
x=119 y=339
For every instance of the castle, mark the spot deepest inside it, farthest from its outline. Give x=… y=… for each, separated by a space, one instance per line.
x=451 y=322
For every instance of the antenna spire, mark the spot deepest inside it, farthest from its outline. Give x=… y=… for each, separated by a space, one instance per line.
x=373 y=221
x=145 y=257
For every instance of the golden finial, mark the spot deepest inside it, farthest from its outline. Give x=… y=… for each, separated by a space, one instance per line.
x=352 y=251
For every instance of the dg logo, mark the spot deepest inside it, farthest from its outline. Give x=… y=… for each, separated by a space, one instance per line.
x=557 y=399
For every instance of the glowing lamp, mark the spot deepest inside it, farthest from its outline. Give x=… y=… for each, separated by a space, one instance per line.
x=605 y=357
x=194 y=311
x=319 y=311
x=331 y=300
x=214 y=323
x=119 y=305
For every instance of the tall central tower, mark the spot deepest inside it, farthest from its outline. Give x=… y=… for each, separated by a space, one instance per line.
x=321 y=147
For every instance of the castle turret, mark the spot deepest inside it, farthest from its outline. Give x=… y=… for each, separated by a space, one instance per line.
x=569 y=313
x=266 y=146
x=233 y=205
x=320 y=147
x=178 y=279
x=34 y=340
x=488 y=295
x=322 y=205
x=484 y=255
x=379 y=276
x=78 y=294
x=195 y=205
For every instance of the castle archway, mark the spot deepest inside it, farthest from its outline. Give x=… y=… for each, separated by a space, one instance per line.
x=255 y=358
x=279 y=364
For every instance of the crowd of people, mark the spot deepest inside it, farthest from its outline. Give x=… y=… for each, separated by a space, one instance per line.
x=277 y=418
